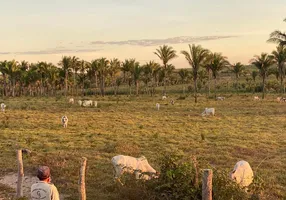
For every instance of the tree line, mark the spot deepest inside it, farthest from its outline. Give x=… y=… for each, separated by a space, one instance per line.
x=73 y=76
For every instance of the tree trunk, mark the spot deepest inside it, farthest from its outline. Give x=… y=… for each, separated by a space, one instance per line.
x=263 y=87
x=195 y=84
x=209 y=85
x=4 y=85
x=137 y=87
x=215 y=86
x=66 y=83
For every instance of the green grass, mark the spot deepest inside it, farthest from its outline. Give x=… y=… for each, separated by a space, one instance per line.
x=242 y=129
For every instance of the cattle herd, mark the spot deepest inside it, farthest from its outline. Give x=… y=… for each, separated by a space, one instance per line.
x=242 y=173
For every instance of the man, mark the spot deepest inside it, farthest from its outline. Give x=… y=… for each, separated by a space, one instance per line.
x=44 y=189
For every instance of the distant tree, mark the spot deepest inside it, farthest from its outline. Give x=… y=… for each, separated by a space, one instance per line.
x=254 y=74
x=4 y=72
x=217 y=63
x=13 y=71
x=263 y=63
x=136 y=72
x=184 y=76
x=279 y=55
x=65 y=63
x=278 y=37
x=238 y=70
x=102 y=70
x=75 y=67
x=150 y=71
x=165 y=54
x=115 y=66
x=196 y=58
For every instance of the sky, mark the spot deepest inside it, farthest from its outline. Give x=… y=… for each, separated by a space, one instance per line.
x=40 y=30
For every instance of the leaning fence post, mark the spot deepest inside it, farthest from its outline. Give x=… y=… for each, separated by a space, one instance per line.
x=20 y=174
x=207 y=184
x=82 y=179
x=196 y=179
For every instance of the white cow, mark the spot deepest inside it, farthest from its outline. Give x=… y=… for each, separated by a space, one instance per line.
x=282 y=99
x=65 y=121
x=158 y=106
x=79 y=102
x=220 y=98
x=87 y=103
x=95 y=104
x=208 y=111
x=279 y=99
x=164 y=97
x=138 y=166
x=242 y=173
x=71 y=100
x=256 y=98
x=3 y=106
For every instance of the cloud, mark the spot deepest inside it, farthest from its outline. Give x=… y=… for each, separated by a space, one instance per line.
x=155 y=42
x=51 y=51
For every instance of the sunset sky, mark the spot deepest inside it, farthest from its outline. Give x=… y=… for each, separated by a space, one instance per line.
x=46 y=30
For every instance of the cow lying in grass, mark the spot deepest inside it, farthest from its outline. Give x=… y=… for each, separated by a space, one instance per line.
x=242 y=173
x=220 y=98
x=138 y=166
x=256 y=98
x=208 y=111
x=65 y=121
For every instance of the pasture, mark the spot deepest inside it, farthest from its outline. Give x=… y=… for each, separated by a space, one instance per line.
x=242 y=129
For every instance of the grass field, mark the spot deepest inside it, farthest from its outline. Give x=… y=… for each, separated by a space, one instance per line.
x=242 y=129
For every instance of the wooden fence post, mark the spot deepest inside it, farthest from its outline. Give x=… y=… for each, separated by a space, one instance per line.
x=82 y=179
x=20 y=174
x=207 y=184
x=196 y=179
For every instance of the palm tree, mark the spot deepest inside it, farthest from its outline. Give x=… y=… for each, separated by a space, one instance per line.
x=263 y=63
x=196 y=58
x=184 y=75
x=150 y=71
x=4 y=72
x=75 y=67
x=115 y=66
x=126 y=68
x=13 y=70
x=136 y=72
x=83 y=67
x=165 y=53
x=65 y=63
x=217 y=63
x=102 y=70
x=278 y=37
x=238 y=70
x=279 y=55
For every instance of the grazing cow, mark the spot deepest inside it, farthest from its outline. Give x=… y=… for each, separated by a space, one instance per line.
x=65 y=121
x=256 y=98
x=71 y=100
x=279 y=99
x=87 y=103
x=242 y=173
x=3 y=106
x=164 y=97
x=138 y=166
x=158 y=106
x=172 y=102
x=208 y=111
x=95 y=104
x=79 y=102
x=220 y=98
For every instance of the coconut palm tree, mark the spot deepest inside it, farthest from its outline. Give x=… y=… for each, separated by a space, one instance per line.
x=13 y=71
x=238 y=70
x=65 y=63
x=217 y=63
x=278 y=37
x=279 y=55
x=150 y=71
x=4 y=72
x=115 y=66
x=75 y=67
x=196 y=58
x=136 y=72
x=102 y=71
x=165 y=54
x=263 y=63
x=184 y=75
